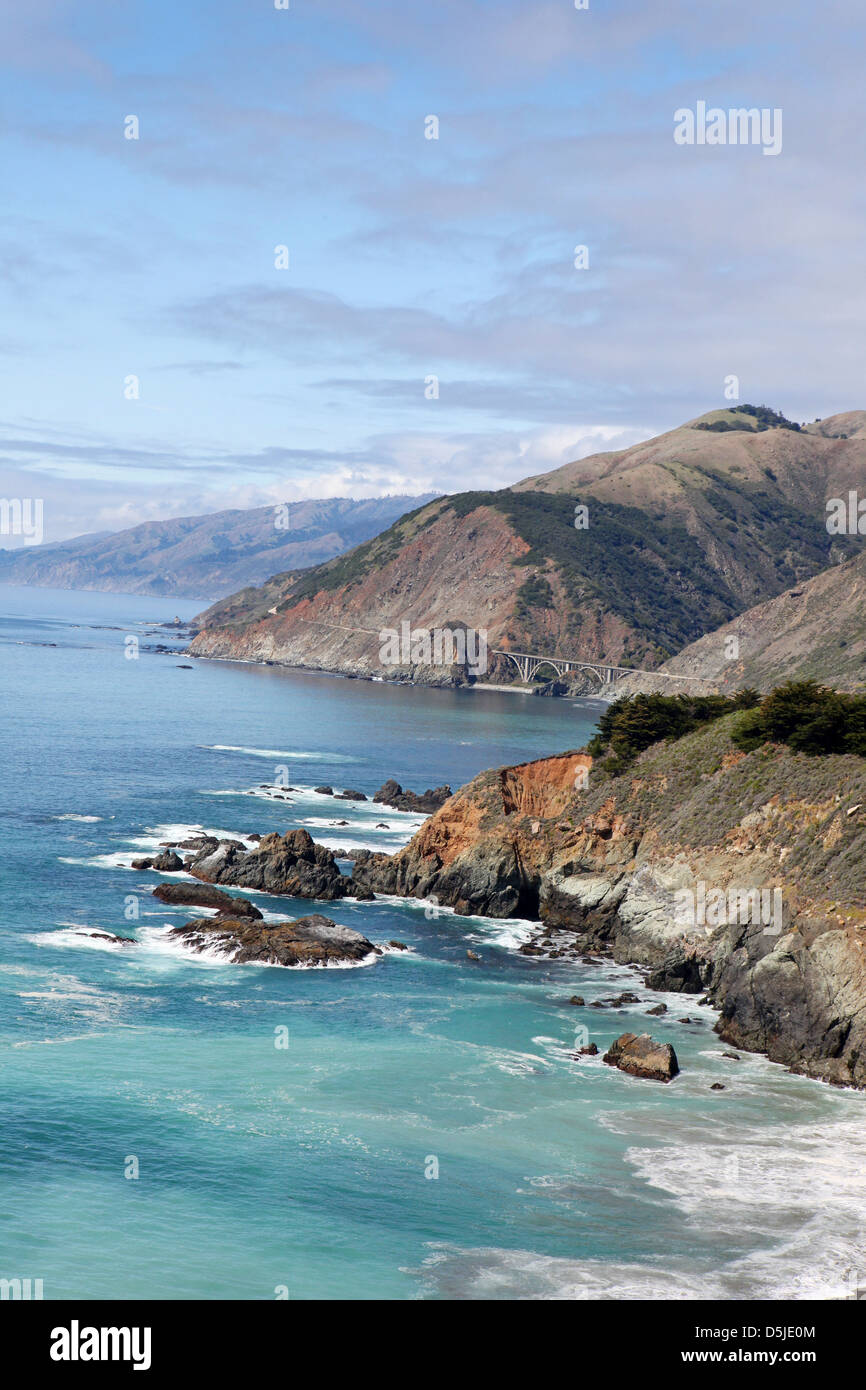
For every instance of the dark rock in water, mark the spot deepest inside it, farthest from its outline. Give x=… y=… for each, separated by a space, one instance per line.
x=291 y=865
x=589 y=1051
x=205 y=895
x=473 y=955
x=687 y=1020
x=398 y=945
x=361 y=893
x=167 y=862
x=643 y=1056
x=679 y=973
x=734 y=1056
x=350 y=795
x=717 y=1086
x=577 y=999
x=109 y=936
x=339 y=822
x=184 y=668
x=618 y=1001
x=324 y=791
x=392 y=794
x=197 y=842
x=382 y=825
x=142 y=864
x=658 y=1010
x=313 y=940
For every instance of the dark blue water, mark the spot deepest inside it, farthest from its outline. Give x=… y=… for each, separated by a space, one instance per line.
x=426 y=1132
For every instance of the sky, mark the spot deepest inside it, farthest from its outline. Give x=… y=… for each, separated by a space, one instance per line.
x=159 y=359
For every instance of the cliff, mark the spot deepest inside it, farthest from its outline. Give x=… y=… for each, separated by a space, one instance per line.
x=738 y=875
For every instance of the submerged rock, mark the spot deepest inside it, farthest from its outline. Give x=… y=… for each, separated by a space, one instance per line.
x=643 y=1056
x=313 y=940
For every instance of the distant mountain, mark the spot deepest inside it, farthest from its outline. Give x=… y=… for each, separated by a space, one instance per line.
x=624 y=557
x=205 y=556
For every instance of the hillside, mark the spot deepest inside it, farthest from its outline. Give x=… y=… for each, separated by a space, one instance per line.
x=813 y=631
x=204 y=556
x=684 y=532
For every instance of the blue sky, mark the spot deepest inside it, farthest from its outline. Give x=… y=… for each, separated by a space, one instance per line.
x=408 y=257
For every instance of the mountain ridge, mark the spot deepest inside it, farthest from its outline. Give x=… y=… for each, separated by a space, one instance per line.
x=682 y=533
x=207 y=555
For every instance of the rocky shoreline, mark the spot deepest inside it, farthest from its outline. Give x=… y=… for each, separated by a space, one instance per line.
x=604 y=863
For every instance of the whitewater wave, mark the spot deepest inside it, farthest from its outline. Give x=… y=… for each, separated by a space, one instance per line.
x=293 y=754
x=796 y=1194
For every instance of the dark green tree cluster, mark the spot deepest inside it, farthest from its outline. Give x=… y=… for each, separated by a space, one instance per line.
x=630 y=725
x=809 y=718
x=764 y=416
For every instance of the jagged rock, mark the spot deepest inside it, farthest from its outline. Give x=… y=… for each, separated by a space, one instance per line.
x=392 y=794
x=350 y=795
x=591 y=1050
x=205 y=895
x=291 y=865
x=734 y=1056
x=142 y=864
x=658 y=1010
x=324 y=791
x=643 y=1056
x=473 y=955
x=717 y=1086
x=577 y=999
x=398 y=945
x=167 y=862
x=313 y=940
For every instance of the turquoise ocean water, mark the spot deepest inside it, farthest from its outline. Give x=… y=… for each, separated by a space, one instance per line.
x=305 y=1169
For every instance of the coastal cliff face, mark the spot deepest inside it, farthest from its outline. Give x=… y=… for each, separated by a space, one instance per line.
x=736 y=875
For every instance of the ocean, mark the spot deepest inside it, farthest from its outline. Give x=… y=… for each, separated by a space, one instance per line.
x=426 y=1132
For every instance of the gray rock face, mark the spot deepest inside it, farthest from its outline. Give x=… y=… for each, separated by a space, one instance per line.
x=313 y=940
x=291 y=865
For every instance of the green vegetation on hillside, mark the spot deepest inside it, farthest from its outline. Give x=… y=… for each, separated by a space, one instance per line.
x=758 y=417
x=630 y=725
x=655 y=576
x=809 y=718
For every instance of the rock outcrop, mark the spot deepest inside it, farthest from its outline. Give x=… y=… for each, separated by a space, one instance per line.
x=291 y=865
x=774 y=841
x=313 y=940
x=392 y=794
x=643 y=1056
x=477 y=853
x=203 y=895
